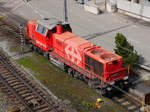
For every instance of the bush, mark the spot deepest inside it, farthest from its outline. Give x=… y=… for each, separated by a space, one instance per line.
x=126 y=50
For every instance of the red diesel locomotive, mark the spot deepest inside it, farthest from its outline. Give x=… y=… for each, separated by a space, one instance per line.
x=82 y=59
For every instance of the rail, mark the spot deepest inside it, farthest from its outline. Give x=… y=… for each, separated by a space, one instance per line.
x=28 y=94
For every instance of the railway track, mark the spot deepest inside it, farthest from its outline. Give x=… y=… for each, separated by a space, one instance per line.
x=126 y=100
x=21 y=89
x=132 y=101
x=18 y=34
x=128 y=104
x=8 y=28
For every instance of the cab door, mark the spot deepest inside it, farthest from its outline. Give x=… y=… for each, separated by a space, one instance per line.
x=40 y=37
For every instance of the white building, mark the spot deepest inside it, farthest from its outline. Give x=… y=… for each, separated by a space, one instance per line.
x=138 y=8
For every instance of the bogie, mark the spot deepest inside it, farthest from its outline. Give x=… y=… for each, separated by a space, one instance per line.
x=46 y=54
x=91 y=83
x=71 y=72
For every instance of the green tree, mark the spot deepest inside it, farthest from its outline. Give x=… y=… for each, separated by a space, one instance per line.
x=126 y=50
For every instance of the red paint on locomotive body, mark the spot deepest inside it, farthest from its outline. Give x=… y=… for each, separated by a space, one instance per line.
x=76 y=52
x=39 y=35
x=79 y=51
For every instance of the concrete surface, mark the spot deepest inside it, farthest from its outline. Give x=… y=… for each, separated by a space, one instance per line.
x=141 y=90
x=92 y=8
x=99 y=29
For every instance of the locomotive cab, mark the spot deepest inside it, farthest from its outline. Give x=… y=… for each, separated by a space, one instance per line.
x=40 y=32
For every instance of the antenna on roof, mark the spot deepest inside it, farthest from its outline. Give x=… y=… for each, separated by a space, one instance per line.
x=65 y=12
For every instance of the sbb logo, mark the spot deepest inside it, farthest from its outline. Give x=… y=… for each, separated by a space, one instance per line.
x=73 y=54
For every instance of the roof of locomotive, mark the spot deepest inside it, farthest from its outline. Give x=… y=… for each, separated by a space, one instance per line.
x=72 y=39
x=96 y=52
x=103 y=54
x=49 y=23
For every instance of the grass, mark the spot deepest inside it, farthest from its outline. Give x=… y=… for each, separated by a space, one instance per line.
x=65 y=87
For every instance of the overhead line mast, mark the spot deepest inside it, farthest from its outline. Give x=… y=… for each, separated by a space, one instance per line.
x=65 y=12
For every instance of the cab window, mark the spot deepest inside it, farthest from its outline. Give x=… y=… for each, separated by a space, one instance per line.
x=41 y=29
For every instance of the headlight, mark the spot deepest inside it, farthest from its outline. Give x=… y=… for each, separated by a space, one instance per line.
x=125 y=82
x=112 y=83
x=108 y=88
x=125 y=78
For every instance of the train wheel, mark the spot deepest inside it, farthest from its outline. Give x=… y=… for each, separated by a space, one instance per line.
x=46 y=55
x=39 y=50
x=71 y=72
x=108 y=94
x=85 y=79
x=65 y=67
x=26 y=42
x=31 y=46
x=80 y=76
x=34 y=48
x=102 y=92
x=122 y=85
x=91 y=83
x=77 y=75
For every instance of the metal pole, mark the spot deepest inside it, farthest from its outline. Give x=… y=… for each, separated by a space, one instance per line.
x=65 y=12
x=95 y=2
x=22 y=38
x=105 y=5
